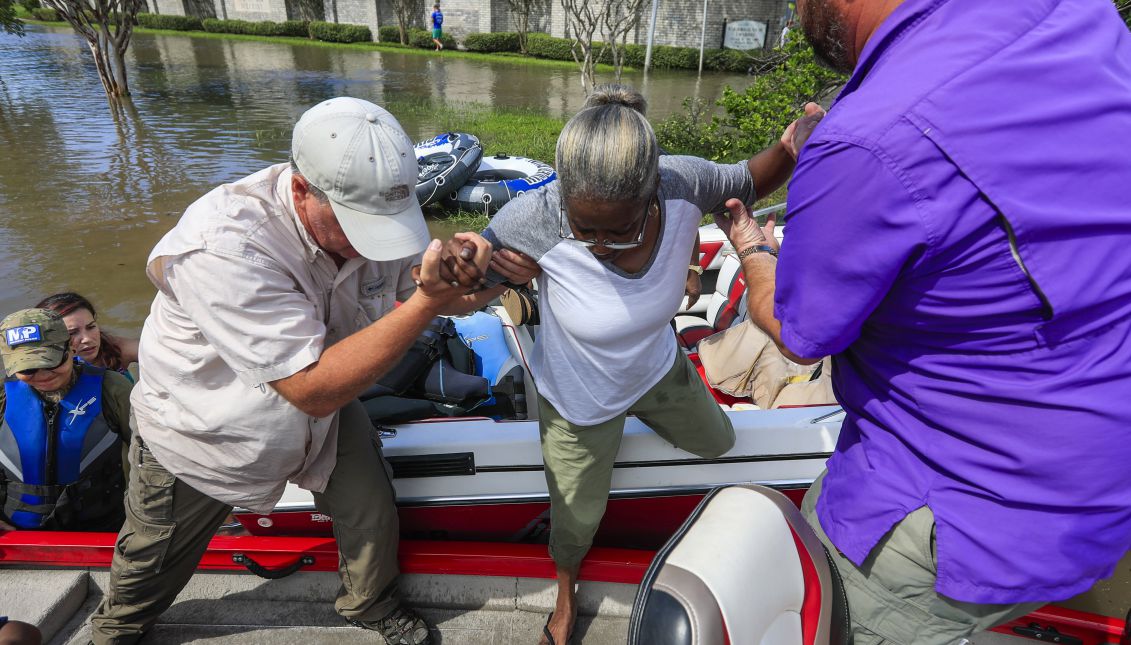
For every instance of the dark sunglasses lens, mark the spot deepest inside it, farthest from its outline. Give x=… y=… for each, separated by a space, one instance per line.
x=33 y=370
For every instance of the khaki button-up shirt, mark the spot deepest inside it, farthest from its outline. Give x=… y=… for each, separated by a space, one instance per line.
x=247 y=297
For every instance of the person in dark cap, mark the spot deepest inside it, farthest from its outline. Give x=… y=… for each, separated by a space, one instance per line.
x=64 y=431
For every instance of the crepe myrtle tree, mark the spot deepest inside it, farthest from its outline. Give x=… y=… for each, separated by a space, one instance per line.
x=619 y=20
x=107 y=26
x=520 y=13
x=407 y=12
x=612 y=19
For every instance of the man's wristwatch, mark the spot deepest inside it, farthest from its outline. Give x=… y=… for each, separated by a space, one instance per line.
x=757 y=248
x=696 y=268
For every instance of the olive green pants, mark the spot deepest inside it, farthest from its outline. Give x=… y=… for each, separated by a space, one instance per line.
x=892 y=598
x=579 y=459
x=169 y=524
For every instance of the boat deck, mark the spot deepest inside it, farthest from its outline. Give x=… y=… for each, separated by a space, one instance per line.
x=241 y=609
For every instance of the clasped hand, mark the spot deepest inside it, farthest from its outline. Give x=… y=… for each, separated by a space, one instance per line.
x=453 y=269
x=449 y=271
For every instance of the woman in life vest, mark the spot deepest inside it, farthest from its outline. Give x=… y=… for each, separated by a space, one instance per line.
x=614 y=236
x=88 y=340
x=64 y=432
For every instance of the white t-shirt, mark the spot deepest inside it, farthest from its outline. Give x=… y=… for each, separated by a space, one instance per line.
x=606 y=336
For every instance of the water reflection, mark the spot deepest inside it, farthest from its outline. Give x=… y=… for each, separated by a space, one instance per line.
x=87 y=190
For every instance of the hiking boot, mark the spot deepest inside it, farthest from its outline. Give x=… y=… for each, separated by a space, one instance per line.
x=401 y=627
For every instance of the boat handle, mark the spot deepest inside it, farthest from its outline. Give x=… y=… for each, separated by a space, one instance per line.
x=264 y=572
x=1046 y=634
x=826 y=417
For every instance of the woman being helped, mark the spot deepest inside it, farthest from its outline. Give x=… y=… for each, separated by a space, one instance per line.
x=613 y=237
x=89 y=342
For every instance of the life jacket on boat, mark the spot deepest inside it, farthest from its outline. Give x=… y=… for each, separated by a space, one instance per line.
x=63 y=463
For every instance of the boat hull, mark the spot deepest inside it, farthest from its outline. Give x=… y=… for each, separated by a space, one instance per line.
x=479 y=479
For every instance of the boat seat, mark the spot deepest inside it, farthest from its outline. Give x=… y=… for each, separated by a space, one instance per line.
x=727 y=306
x=746 y=569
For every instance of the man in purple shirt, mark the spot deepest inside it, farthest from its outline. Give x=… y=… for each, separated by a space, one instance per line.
x=959 y=237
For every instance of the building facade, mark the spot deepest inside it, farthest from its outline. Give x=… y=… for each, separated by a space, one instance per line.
x=678 y=22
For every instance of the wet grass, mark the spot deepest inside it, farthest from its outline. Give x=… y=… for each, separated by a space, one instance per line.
x=512 y=131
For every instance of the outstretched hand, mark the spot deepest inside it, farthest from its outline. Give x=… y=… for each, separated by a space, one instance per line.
x=798 y=132
x=742 y=229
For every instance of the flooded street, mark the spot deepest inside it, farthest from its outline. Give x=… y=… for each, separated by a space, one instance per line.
x=85 y=192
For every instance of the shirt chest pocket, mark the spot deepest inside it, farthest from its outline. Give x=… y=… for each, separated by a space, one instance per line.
x=375 y=298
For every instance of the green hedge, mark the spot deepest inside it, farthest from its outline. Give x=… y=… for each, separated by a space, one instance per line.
x=388 y=34
x=340 y=33
x=296 y=28
x=663 y=57
x=503 y=41
x=419 y=38
x=46 y=14
x=422 y=39
x=162 y=21
x=546 y=46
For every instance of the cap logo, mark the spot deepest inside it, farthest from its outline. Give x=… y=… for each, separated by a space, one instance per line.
x=16 y=336
x=396 y=193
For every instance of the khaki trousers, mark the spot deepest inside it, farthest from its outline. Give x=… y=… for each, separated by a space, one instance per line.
x=169 y=524
x=579 y=459
x=892 y=598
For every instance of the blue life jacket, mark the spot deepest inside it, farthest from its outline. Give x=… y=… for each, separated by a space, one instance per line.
x=63 y=463
x=483 y=333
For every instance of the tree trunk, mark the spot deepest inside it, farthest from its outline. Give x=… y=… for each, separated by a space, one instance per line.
x=120 y=78
x=523 y=27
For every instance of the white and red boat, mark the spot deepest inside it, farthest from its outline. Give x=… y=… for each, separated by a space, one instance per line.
x=472 y=501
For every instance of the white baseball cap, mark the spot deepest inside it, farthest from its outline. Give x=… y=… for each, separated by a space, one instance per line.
x=357 y=153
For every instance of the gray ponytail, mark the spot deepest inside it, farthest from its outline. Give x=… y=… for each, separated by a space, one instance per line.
x=608 y=151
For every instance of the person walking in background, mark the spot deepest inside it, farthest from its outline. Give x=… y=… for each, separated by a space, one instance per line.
x=89 y=341
x=64 y=432
x=957 y=235
x=275 y=309
x=437 y=26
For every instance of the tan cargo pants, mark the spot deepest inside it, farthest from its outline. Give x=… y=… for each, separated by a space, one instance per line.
x=892 y=598
x=169 y=524
x=579 y=459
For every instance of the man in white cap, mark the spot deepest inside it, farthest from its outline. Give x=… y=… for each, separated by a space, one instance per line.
x=275 y=310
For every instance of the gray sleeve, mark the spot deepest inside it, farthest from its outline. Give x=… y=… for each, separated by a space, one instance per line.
x=704 y=183
x=528 y=224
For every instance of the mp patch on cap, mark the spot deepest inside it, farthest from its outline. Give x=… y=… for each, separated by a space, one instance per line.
x=17 y=336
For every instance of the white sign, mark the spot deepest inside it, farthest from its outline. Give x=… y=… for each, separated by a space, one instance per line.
x=250 y=6
x=745 y=34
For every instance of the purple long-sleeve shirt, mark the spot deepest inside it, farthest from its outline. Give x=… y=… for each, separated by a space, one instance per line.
x=959 y=236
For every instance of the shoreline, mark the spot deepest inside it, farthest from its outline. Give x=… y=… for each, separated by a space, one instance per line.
x=391 y=48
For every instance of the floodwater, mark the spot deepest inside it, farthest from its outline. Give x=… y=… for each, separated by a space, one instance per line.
x=85 y=192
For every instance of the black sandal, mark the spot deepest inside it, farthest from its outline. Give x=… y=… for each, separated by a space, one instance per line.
x=546 y=630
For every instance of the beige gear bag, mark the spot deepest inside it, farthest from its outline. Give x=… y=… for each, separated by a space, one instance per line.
x=743 y=361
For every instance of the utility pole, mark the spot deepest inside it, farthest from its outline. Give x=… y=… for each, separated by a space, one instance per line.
x=651 y=37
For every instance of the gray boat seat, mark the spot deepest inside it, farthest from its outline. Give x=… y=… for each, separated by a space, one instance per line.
x=744 y=569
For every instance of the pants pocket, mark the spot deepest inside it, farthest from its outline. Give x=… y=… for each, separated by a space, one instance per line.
x=151 y=498
x=143 y=547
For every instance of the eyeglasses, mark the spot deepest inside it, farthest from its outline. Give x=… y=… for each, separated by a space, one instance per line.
x=34 y=370
x=566 y=233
